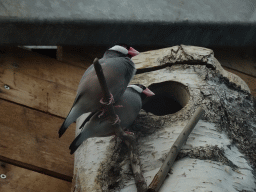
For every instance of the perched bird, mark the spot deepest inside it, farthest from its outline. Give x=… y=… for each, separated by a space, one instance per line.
x=127 y=108
x=118 y=70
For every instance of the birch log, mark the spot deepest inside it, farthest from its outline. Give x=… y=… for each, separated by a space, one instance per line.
x=219 y=153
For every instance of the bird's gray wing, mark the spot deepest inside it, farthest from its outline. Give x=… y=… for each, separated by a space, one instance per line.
x=85 y=134
x=87 y=119
x=66 y=123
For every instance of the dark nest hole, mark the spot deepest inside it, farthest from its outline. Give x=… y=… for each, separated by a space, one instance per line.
x=170 y=97
x=48 y=52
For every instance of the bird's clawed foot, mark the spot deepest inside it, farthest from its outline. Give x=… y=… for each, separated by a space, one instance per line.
x=102 y=113
x=118 y=106
x=117 y=120
x=104 y=110
x=111 y=100
x=129 y=133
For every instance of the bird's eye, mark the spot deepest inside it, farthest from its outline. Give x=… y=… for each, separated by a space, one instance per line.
x=141 y=86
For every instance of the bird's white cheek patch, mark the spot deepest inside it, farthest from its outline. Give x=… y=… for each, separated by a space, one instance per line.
x=136 y=88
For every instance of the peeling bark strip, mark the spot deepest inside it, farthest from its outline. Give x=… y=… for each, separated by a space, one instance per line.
x=128 y=139
x=180 y=55
x=165 y=168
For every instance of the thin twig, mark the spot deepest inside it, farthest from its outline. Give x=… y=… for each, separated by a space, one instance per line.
x=128 y=139
x=165 y=168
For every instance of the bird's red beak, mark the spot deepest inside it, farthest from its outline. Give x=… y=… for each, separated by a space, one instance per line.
x=132 y=52
x=148 y=92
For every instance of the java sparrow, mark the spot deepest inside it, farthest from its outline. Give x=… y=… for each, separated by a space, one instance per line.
x=127 y=108
x=118 y=70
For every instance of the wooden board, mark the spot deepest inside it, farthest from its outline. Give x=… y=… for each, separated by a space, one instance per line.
x=239 y=59
x=38 y=81
x=36 y=93
x=81 y=56
x=249 y=80
x=29 y=63
x=29 y=138
x=24 y=180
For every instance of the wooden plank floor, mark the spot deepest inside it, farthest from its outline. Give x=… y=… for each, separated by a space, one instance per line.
x=249 y=80
x=38 y=81
x=242 y=59
x=30 y=138
x=24 y=180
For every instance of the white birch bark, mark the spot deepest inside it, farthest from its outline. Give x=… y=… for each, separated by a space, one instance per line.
x=216 y=156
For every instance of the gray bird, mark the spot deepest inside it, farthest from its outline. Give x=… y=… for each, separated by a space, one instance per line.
x=127 y=108
x=118 y=70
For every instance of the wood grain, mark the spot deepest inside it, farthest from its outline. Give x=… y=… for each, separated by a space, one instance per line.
x=24 y=180
x=37 y=81
x=241 y=59
x=30 y=137
x=39 y=66
x=36 y=93
x=81 y=56
x=249 y=80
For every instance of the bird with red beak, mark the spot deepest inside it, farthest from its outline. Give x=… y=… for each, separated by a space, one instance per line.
x=118 y=70
x=127 y=108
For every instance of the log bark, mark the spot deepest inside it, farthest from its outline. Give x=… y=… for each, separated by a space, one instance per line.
x=175 y=149
x=209 y=160
x=209 y=157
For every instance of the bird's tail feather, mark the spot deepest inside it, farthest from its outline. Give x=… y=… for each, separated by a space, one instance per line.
x=62 y=129
x=72 y=116
x=84 y=135
x=87 y=119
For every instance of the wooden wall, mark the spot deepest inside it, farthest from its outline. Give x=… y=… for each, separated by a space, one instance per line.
x=36 y=93
x=240 y=61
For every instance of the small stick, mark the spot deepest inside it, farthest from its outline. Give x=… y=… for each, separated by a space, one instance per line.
x=165 y=168
x=128 y=139
x=104 y=87
x=110 y=109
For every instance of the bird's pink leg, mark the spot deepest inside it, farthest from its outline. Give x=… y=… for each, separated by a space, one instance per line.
x=103 y=110
x=117 y=121
x=118 y=106
x=102 y=113
x=111 y=100
x=129 y=133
